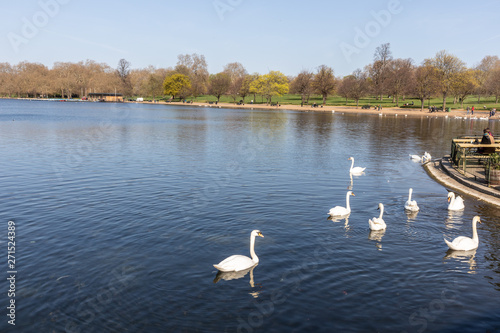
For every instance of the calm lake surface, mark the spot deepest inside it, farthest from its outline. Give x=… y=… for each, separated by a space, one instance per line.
x=122 y=209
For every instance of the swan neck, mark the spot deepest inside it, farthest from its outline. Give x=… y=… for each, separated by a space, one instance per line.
x=352 y=163
x=381 y=212
x=474 y=231
x=252 y=251
x=347 y=201
x=409 y=196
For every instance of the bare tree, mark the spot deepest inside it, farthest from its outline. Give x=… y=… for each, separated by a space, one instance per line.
x=324 y=82
x=354 y=86
x=483 y=71
x=237 y=74
x=400 y=73
x=379 y=70
x=123 y=71
x=219 y=84
x=493 y=84
x=302 y=85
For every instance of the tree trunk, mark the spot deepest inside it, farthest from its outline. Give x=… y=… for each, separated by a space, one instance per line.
x=346 y=101
x=397 y=101
x=357 y=102
x=422 y=100
x=324 y=99
x=444 y=101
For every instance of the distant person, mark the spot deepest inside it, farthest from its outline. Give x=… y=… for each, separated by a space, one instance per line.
x=468 y=109
x=472 y=110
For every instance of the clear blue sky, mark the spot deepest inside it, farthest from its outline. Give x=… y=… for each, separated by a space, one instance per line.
x=284 y=35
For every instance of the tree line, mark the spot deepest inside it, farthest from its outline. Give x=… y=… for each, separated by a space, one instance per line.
x=444 y=75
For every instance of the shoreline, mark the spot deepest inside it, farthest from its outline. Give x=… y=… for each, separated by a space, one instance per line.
x=395 y=111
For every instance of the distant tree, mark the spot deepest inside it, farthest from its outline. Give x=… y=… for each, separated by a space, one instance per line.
x=400 y=73
x=324 y=82
x=447 y=67
x=237 y=74
x=272 y=84
x=219 y=84
x=123 y=71
x=245 y=89
x=175 y=84
x=487 y=65
x=354 y=86
x=302 y=85
x=379 y=70
x=493 y=84
x=425 y=83
x=195 y=67
x=464 y=84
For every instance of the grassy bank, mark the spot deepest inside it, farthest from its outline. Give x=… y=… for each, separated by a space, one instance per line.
x=291 y=99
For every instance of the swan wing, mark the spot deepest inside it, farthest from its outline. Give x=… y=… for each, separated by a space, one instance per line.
x=235 y=263
x=411 y=205
x=462 y=243
x=338 y=211
x=357 y=170
x=377 y=224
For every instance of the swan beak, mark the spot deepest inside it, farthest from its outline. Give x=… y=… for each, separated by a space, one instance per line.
x=260 y=234
x=353 y=194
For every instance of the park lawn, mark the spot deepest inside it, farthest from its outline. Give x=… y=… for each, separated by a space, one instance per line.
x=292 y=99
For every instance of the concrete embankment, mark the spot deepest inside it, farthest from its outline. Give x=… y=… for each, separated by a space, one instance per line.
x=443 y=172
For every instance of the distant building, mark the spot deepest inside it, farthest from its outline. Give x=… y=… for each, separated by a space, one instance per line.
x=105 y=97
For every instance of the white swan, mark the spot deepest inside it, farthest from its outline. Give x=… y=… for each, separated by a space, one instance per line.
x=456 y=203
x=378 y=223
x=355 y=170
x=463 y=243
x=427 y=156
x=417 y=158
x=238 y=262
x=411 y=205
x=342 y=211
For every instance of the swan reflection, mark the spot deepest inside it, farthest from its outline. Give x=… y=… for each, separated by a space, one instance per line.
x=411 y=215
x=235 y=275
x=376 y=235
x=454 y=219
x=467 y=257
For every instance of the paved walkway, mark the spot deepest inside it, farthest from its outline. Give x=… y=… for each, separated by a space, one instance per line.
x=472 y=184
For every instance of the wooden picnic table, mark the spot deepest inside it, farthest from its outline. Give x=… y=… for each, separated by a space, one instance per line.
x=466 y=150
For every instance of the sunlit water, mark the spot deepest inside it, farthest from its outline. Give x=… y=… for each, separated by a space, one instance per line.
x=121 y=210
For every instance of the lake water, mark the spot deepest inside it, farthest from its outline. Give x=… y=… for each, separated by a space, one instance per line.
x=121 y=210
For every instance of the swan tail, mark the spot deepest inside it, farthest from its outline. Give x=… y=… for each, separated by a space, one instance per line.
x=450 y=245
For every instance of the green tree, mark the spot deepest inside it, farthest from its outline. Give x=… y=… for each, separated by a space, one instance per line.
x=272 y=84
x=175 y=84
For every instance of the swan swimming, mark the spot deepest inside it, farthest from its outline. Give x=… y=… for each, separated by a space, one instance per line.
x=411 y=205
x=463 y=243
x=378 y=223
x=237 y=262
x=416 y=158
x=342 y=211
x=456 y=203
x=427 y=156
x=355 y=170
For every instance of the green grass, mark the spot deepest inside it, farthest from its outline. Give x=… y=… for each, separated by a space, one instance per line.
x=291 y=99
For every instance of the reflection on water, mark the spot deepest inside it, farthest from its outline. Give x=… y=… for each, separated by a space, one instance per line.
x=143 y=204
x=376 y=235
x=411 y=216
x=228 y=276
x=462 y=257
